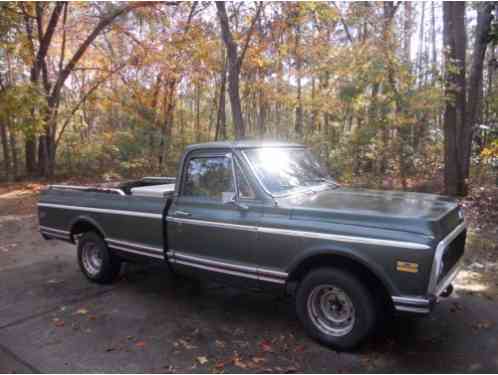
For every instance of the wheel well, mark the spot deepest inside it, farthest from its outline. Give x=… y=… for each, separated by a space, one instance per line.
x=83 y=226
x=370 y=280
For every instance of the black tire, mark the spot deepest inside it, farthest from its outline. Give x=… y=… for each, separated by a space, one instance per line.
x=108 y=268
x=358 y=324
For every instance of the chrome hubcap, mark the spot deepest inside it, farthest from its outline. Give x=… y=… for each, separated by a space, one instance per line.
x=91 y=257
x=331 y=310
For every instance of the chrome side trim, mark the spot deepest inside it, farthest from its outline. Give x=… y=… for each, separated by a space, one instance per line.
x=183 y=256
x=342 y=238
x=411 y=301
x=214 y=224
x=298 y=233
x=255 y=273
x=214 y=269
x=44 y=228
x=136 y=251
x=103 y=210
x=56 y=235
x=134 y=244
x=438 y=256
x=420 y=310
x=278 y=274
x=271 y=279
x=74 y=187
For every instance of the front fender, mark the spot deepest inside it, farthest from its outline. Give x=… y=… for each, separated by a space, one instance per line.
x=349 y=253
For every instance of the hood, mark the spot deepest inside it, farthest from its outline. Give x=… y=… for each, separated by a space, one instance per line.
x=427 y=214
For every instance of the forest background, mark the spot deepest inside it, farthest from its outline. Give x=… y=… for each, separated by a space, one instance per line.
x=396 y=95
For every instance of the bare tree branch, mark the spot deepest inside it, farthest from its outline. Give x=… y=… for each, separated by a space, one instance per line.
x=83 y=100
x=249 y=33
x=344 y=24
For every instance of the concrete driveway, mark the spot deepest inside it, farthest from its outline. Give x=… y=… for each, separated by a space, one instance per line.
x=53 y=320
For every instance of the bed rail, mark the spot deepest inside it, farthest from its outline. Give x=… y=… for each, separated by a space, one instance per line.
x=75 y=187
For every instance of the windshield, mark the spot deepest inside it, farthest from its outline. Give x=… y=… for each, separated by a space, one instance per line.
x=282 y=170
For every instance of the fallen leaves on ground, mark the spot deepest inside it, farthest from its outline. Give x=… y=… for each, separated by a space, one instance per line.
x=220 y=344
x=265 y=346
x=140 y=344
x=58 y=322
x=238 y=362
x=202 y=360
x=484 y=324
x=184 y=343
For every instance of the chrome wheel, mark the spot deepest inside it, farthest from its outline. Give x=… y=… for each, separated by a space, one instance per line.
x=91 y=258
x=331 y=310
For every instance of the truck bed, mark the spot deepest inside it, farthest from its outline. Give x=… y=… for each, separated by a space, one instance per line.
x=131 y=223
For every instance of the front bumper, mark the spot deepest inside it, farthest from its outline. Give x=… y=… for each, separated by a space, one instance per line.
x=424 y=304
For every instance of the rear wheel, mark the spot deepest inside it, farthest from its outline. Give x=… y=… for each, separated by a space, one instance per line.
x=335 y=308
x=95 y=260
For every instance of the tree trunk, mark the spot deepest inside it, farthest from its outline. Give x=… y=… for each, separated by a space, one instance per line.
x=13 y=150
x=489 y=91
x=197 y=112
x=261 y=114
x=454 y=115
x=314 y=112
x=475 y=81
x=30 y=155
x=233 y=71
x=6 y=153
x=407 y=31
x=221 y=119
x=298 y=60
x=234 y=65
x=420 y=48
x=433 y=41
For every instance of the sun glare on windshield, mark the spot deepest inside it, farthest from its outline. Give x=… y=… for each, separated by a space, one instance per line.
x=283 y=170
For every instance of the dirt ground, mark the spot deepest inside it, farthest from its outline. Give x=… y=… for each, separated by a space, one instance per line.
x=53 y=320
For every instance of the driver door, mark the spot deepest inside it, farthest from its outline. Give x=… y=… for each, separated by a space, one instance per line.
x=208 y=234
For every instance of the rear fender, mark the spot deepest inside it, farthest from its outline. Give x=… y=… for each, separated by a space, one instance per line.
x=83 y=219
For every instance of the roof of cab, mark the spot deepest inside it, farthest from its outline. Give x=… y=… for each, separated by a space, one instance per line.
x=242 y=144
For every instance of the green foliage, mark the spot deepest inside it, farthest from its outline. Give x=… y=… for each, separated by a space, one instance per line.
x=24 y=108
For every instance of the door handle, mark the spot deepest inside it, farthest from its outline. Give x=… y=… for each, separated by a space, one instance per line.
x=182 y=213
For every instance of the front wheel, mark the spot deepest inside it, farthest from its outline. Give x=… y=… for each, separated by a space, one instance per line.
x=95 y=260
x=335 y=308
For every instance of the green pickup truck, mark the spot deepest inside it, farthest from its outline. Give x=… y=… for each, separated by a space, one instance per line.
x=267 y=216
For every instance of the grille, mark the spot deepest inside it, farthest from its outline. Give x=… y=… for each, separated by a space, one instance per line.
x=452 y=254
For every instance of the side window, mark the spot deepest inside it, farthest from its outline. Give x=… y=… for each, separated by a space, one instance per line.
x=245 y=189
x=208 y=178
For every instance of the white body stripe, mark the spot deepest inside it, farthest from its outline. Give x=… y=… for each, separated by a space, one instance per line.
x=103 y=210
x=280 y=231
x=307 y=234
